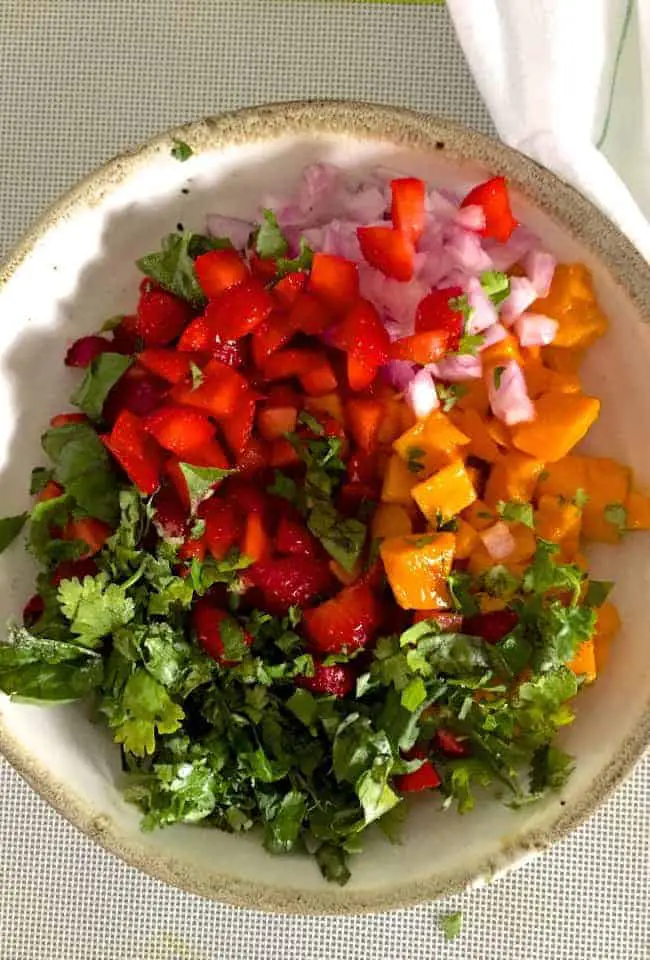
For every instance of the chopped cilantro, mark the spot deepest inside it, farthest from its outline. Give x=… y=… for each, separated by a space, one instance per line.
x=469 y=344
x=343 y=537
x=616 y=514
x=496 y=285
x=515 y=512
x=581 y=498
x=449 y=394
x=414 y=461
x=181 y=150
x=197 y=375
x=270 y=242
x=302 y=262
x=497 y=375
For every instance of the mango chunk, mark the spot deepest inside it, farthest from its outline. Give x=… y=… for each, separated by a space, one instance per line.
x=417 y=568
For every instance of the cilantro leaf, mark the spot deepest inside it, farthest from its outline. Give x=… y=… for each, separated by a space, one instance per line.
x=616 y=514
x=464 y=776
x=342 y=537
x=414 y=463
x=469 y=344
x=10 y=527
x=449 y=394
x=559 y=631
x=515 y=512
x=181 y=150
x=451 y=923
x=232 y=637
x=47 y=548
x=333 y=864
x=283 y=830
x=499 y=582
x=496 y=285
x=100 y=377
x=460 y=589
x=37 y=668
x=95 y=607
x=144 y=708
x=83 y=468
x=302 y=262
x=201 y=481
x=270 y=242
x=414 y=694
x=581 y=498
x=550 y=769
x=173 y=266
x=545 y=574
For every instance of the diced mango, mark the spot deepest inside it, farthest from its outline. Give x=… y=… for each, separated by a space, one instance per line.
x=475 y=397
x=607 y=484
x=561 y=421
x=393 y=422
x=417 y=568
x=391 y=520
x=563 y=382
x=561 y=360
x=398 y=482
x=329 y=403
x=537 y=376
x=480 y=561
x=466 y=539
x=499 y=432
x=584 y=661
x=563 y=478
x=481 y=444
x=637 y=506
x=500 y=353
x=608 y=623
x=479 y=515
x=513 y=478
x=435 y=439
x=446 y=493
x=572 y=303
x=557 y=519
x=525 y=543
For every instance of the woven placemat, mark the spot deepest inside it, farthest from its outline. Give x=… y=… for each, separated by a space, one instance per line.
x=81 y=81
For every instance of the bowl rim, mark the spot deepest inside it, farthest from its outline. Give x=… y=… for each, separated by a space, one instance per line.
x=570 y=210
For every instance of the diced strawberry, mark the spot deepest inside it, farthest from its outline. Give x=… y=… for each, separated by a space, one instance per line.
x=387 y=250
x=335 y=280
x=293 y=537
x=364 y=418
x=135 y=451
x=264 y=268
x=288 y=287
x=219 y=394
x=492 y=626
x=493 y=197
x=161 y=317
x=125 y=336
x=73 y=569
x=353 y=495
x=337 y=680
x=360 y=375
x=345 y=623
x=269 y=337
x=51 y=491
x=434 y=313
x=170 y=515
x=244 y=497
x=447 y=620
x=407 y=209
x=423 y=348
x=290 y=581
x=419 y=751
x=86 y=349
x=309 y=315
x=169 y=364
x=364 y=338
x=94 y=534
x=362 y=468
x=238 y=426
x=61 y=419
x=233 y=353
x=207 y=619
x=284 y=395
x=426 y=778
x=239 y=310
x=256 y=543
x=274 y=422
x=219 y=270
x=179 y=429
x=282 y=454
x=33 y=610
x=320 y=380
x=198 y=336
x=291 y=363
x=137 y=391
x=254 y=457
x=193 y=550
x=222 y=526
x=449 y=744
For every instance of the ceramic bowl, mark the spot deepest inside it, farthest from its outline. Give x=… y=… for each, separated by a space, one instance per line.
x=77 y=266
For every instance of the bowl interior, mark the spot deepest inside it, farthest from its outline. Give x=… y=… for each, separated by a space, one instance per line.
x=80 y=271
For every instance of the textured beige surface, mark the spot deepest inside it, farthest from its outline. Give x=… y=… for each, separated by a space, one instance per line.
x=100 y=68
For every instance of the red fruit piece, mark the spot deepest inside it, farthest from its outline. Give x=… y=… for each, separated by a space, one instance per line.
x=170 y=515
x=219 y=394
x=94 y=533
x=193 y=550
x=449 y=744
x=232 y=353
x=492 y=626
x=84 y=350
x=73 y=569
x=293 y=537
x=169 y=365
x=337 y=680
x=434 y=313
x=282 y=454
x=274 y=422
x=208 y=620
x=364 y=419
x=219 y=270
x=387 y=250
x=256 y=542
x=51 y=491
x=179 y=429
x=320 y=380
x=362 y=468
x=238 y=426
x=287 y=289
x=309 y=315
x=61 y=419
x=135 y=451
x=426 y=778
x=137 y=391
x=447 y=620
x=290 y=581
x=335 y=280
x=160 y=317
x=493 y=197
x=346 y=622
x=239 y=310
x=407 y=210
x=244 y=497
x=222 y=527
x=364 y=338
x=125 y=336
x=198 y=336
x=33 y=610
x=269 y=337
x=423 y=348
x=253 y=458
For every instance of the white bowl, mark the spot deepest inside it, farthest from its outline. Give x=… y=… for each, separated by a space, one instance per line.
x=77 y=266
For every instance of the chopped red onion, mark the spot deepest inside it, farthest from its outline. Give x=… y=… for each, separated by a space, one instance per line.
x=455 y=369
x=535 y=329
x=467 y=252
x=367 y=205
x=492 y=335
x=522 y=294
x=236 y=230
x=421 y=394
x=540 y=267
x=399 y=373
x=484 y=312
x=508 y=395
x=498 y=540
x=471 y=218
x=318 y=189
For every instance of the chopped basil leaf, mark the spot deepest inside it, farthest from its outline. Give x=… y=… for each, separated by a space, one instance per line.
x=10 y=527
x=343 y=537
x=99 y=379
x=515 y=512
x=270 y=242
x=173 y=266
x=201 y=481
x=414 y=462
x=181 y=150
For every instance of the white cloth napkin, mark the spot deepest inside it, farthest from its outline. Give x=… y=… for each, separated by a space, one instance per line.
x=568 y=83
